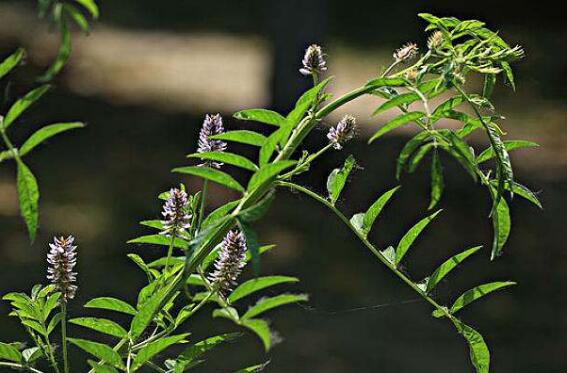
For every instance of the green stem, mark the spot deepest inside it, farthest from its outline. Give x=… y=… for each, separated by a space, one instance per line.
x=368 y=245
x=64 y=336
x=203 y=202
x=169 y=252
x=17 y=366
x=51 y=355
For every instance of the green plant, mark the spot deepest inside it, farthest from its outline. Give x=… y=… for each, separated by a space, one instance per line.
x=179 y=286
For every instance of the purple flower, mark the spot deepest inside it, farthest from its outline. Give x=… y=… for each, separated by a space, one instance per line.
x=229 y=262
x=212 y=125
x=176 y=213
x=342 y=132
x=62 y=258
x=313 y=60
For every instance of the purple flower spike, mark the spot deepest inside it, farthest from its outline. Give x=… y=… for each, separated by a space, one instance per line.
x=62 y=258
x=229 y=262
x=212 y=125
x=176 y=213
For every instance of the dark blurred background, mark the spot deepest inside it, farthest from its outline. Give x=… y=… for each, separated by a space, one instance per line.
x=144 y=79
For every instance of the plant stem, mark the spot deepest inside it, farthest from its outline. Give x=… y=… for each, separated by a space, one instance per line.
x=17 y=366
x=203 y=202
x=368 y=245
x=64 y=336
x=169 y=252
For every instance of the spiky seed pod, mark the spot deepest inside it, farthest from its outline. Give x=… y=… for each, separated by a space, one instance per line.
x=342 y=132
x=176 y=214
x=406 y=52
x=229 y=262
x=313 y=60
x=61 y=259
x=212 y=125
x=411 y=74
x=435 y=40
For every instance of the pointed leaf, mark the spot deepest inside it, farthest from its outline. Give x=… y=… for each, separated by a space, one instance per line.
x=262 y=116
x=488 y=154
x=253 y=369
x=228 y=158
x=501 y=224
x=28 y=195
x=102 y=368
x=257 y=284
x=45 y=133
x=9 y=352
x=211 y=174
x=450 y=264
x=99 y=350
x=479 y=353
x=91 y=6
x=409 y=148
x=304 y=103
x=160 y=239
x=399 y=100
x=150 y=350
x=268 y=172
x=111 y=304
x=408 y=239
x=261 y=329
x=22 y=104
x=437 y=183
x=477 y=292
x=62 y=55
x=101 y=325
x=395 y=123
x=12 y=61
x=366 y=220
x=266 y=304
x=387 y=82
x=270 y=145
x=242 y=136
x=338 y=178
x=199 y=348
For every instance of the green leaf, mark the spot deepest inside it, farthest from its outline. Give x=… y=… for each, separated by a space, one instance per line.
x=509 y=74
x=437 y=184
x=396 y=101
x=387 y=82
x=418 y=156
x=99 y=350
x=150 y=350
x=504 y=166
x=479 y=353
x=369 y=217
x=32 y=354
x=257 y=284
x=211 y=174
x=228 y=158
x=501 y=224
x=408 y=239
x=525 y=193
x=9 y=352
x=101 y=325
x=111 y=304
x=262 y=116
x=45 y=133
x=146 y=313
x=252 y=244
x=477 y=292
x=488 y=154
x=269 y=146
x=449 y=104
x=62 y=55
x=23 y=104
x=194 y=352
x=101 y=368
x=157 y=224
x=258 y=210
x=395 y=123
x=242 y=136
x=489 y=82
x=77 y=16
x=268 y=172
x=159 y=239
x=266 y=304
x=409 y=148
x=91 y=6
x=304 y=103
x=12 y=61
x=261 y=329
x=220 y=212
x=338 y=178
x=28 y=195
x=450 y=264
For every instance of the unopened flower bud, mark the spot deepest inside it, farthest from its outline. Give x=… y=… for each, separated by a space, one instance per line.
x=342 y=132
x=313 y=60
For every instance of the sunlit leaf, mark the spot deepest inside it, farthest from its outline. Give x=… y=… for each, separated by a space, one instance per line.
x=257 y=284
x=12 y=61
x=399 y=100
x=338 y=178
x=262 y=116
x=150 y=350
x=501 y=224
x=369 y=217
x=28 y=195
x=266 y=304
x=45 y=133
x=111 y=304
x=447 y=266
x=488 y=154
x=194 y=352
x=99 y=350
x=9 y=352
x=477 y=292
x=23 y=104
x=228 y=158
x=159 y=239
x=262 y=329
x=62 y=55
x=268 y=172
x=242 y=136
x=479 y=353
x=91 y=6
x=101 y=325
x=437 y=183
x=409 y=148
x=395 y=123
x=408 y=239
x=211 y=174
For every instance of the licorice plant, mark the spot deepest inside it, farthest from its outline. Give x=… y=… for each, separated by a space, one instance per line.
x=204 y=254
